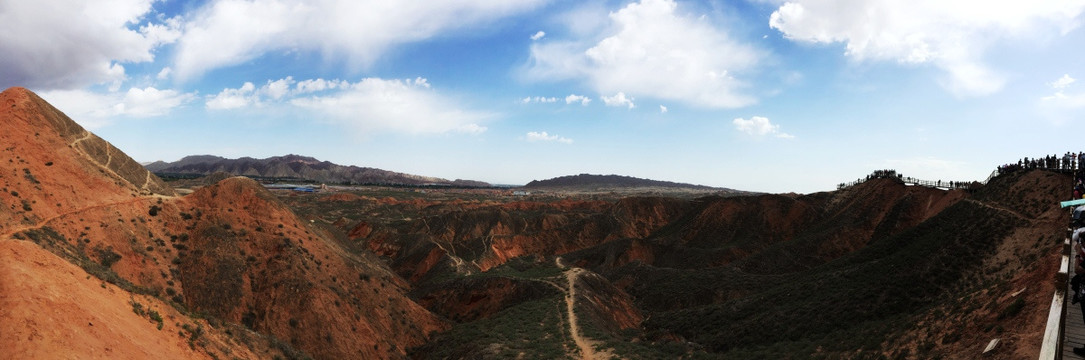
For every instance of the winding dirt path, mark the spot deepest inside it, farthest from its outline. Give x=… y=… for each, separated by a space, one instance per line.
x=999 y=208
x=587 y=349
x=586 y=345
x=9 y=232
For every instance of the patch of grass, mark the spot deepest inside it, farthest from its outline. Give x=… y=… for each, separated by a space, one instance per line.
x=106 y=256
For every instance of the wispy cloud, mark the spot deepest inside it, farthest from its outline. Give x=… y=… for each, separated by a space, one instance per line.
x=538 y=99
x=358 y=32
x=760 y=126
x=373 y=105
x=534 y=136
x=96 y=109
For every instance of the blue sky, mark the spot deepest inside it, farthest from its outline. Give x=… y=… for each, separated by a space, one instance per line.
x=759 y=95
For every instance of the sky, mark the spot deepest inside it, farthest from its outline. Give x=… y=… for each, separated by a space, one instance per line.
x=755 y=95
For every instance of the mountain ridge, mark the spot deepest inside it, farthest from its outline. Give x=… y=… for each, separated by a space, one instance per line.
x=594 y=181
x=293 y=166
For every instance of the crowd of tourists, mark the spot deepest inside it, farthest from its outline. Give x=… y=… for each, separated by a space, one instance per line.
x=1069 y=162
x=893 y=174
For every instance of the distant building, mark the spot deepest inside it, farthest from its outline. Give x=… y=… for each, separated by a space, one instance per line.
x=521 y=193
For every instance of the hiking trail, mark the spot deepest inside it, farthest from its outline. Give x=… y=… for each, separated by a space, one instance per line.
x=586 y=345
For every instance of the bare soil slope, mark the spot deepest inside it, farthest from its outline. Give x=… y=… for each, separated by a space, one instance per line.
x=230 y=252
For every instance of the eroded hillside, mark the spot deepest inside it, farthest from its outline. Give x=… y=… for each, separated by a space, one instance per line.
x=90 y=244
x=879 y=269
x=229 y=271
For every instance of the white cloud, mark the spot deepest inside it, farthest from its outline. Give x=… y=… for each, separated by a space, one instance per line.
x=62 y=44
x=538 y=35
x=148 y=102
x=539 y=99
x=534 y=136
x=572 y=98
x=233 y=98
x=316 y=85
x=619 y=99
x=230 y=32
x=166 y=33
x=164 y=73
x=662 y=109
x=650 y=49
x=278 y=88
x=1062 y=82
x=404 y=106
x=275 y=90
x=1063 y=99
x=94 y=109
x=760 y=126
x=950 y=35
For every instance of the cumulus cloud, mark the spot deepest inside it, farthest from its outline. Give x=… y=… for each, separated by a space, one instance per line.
x=649 y=48
x=619 y=99
x=233 y=98
x=949 y=35
x=760 y=126
x=275 y=90
x=95 y=109
x=534 y=136
x=403 y=106
x=538 y=99
x=63 y=44
x=231 y=32
x=572 y=98
x=538 y=35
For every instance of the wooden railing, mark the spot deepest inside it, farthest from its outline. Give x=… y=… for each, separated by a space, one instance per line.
x=1054 y=333
x=918 y=182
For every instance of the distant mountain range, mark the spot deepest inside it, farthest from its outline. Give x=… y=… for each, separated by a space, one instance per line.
x=590 y=181
x=298 y=167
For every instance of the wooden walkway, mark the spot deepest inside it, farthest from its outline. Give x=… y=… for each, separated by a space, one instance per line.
x=1074 y=335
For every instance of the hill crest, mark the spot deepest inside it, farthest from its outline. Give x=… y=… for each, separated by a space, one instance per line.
x=588 y=181
x=298 y=167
